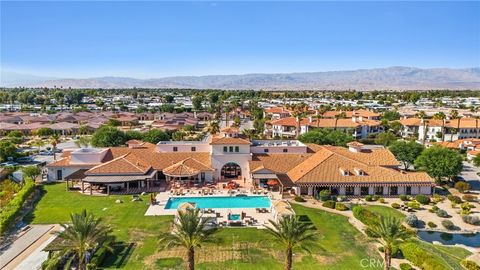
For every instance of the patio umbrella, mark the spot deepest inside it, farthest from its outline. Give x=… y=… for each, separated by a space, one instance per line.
x=272 y=182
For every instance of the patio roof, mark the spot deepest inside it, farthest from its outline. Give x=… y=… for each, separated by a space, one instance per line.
x=264 y=176
x=118 y=178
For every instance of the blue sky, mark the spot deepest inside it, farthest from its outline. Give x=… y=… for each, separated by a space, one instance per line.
x=156 y=39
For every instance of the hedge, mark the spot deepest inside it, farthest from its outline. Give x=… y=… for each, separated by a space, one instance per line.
x=420 y=257
x=10 y=211
x=329 y=204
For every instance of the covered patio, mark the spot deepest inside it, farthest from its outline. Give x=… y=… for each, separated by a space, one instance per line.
x=188 y=172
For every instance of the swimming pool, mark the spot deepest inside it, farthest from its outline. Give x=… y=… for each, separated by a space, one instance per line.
x=221 y=202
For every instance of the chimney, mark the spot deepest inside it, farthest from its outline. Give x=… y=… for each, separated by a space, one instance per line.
x=310 y=119
x=355 y=147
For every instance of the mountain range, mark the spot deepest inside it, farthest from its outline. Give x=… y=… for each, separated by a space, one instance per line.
x=391 y=78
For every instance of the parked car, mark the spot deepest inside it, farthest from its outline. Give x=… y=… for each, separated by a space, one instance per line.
x=58 y=150
x=8 y=164
x=28 y=159
x=46 y=153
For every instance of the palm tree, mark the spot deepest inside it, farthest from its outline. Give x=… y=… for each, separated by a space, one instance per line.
x=339 y=116
x=389 y=232
x=54 y=140
x=213 y=127
x=476 y=126
x=291 y=233
x=249 y=133
x=227 y=109
x=422 y=115
x=320 y=112
x=454 y=115
x=83 y=237
x=39 y=143
x=189 y=231
x=441 y=116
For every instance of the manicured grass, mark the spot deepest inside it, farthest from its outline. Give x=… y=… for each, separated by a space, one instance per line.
x=340 y=245
x=385 y=211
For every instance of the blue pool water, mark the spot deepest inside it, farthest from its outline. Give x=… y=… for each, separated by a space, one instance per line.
x=235 y=217
x=471 y=240
x=221 y=202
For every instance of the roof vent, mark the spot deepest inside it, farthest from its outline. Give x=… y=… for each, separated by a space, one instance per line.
x=359 y=172
x=344 y=172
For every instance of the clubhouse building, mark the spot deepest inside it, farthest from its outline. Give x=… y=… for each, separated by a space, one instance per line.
x=284 y=165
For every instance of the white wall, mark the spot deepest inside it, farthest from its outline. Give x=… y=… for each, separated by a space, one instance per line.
x=242 y=149
x=184 y=147
x=87 y=156
x=218 y=161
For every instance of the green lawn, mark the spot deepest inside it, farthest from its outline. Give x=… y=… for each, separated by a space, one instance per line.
x=386 y=211
x=340 y=245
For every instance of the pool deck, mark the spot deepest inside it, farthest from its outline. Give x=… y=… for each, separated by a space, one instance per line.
x=262 y=218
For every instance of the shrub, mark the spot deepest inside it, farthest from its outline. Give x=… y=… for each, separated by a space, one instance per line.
x=405 y=266
x=442 y=213
x=411 y=220
x=454 y=199
x=414 y=205
x=431 y=224
x=469 y=198
x=381 y=200
x=462 y=186
x=435 y=208
x=404 y=197
x=325 y=195
x=448 y=225
x=365 y=216
x=436 y=198
x=395 y=205
x=341 y=198
x=329 y=204
x=376 y=197
x=10 y=211
x=466 y=208
x=299 y=199
x=369 y=198
x=470 y=265
x=471 y=219
x=420 y=257
x=422 y=199
x=341 y=207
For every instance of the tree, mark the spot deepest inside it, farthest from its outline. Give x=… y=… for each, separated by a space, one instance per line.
x=391 y=115
x=290 y=232
x=422 y=115
x=406 y=152
x=15 y=134
x=83 y=237
x=169 y=99
x=107 y=136
x=133 y=135
x=189 y=231
x=83 y=142
x=32 y=171
x=7 y=149
x=197 y=102
x=441 y=116
x=339 y=116
x=389 y=233
x=326 y=137
x=385 y=138
x=38 y=144
x=155 y=136
x=44 y=131
x=213 y=127
x=476 y=160
x=113 y=122
x=439 y=162
x=54 y=140
x=454 y=115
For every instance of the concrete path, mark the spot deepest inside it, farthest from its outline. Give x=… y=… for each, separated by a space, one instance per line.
x=469 y=173
x=22 y=243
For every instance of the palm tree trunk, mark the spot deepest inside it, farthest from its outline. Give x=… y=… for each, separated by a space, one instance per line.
x=288 y=259
x=54 y=147
x=335 y=127
x=191 y=258
x=388 y=259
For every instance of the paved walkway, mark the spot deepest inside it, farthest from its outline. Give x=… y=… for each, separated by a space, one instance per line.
x=20 y=245
x=469 y=173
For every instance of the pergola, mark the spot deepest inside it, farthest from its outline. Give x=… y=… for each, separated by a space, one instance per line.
x=181 y=171
x=118 y=179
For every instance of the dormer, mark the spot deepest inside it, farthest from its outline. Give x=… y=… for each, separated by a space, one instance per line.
x=359 y=172
x=355 y=147
x=344 y=171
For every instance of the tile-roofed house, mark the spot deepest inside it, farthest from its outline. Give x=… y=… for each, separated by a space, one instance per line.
x=436 y=129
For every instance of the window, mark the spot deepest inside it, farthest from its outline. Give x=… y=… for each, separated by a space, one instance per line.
x=59 y=175
x=378 y=190
x=408 y=190
x=225 y=149
x=364 y=191
x=349 y=191
x=285 y=150
x=393 y=190
x=175 y=149
x=231 y=149
x=237 y=149
x=194 y=148
x=265 y=150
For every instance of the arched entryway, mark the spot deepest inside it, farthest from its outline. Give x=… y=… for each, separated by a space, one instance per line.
x=231 y=170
